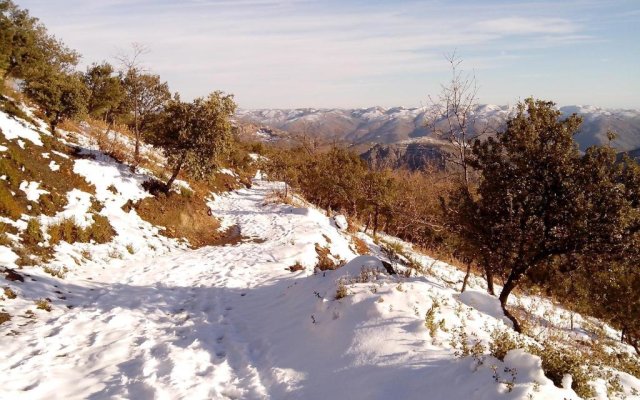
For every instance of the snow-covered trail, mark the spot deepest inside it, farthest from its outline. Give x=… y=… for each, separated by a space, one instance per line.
x=231 y=323
x=143 y=317
x=163 y=327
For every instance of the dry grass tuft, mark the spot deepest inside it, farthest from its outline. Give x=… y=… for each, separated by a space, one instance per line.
x=326 y=260
x=359 y=245
x=296 y=267
x=182 y=217
x=43 y=304
x=66 y=230
x=9 y=293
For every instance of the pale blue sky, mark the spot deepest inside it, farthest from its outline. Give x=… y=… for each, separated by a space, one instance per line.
x=356 y=53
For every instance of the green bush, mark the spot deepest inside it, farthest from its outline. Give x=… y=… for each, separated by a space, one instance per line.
x=502 y=342
x=186 y=192
x=558 y=361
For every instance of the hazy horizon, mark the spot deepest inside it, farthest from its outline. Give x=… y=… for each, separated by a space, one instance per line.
x=358 y=54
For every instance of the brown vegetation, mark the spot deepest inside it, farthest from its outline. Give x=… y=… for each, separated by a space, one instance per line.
x=360 y=245
x=100 y=231
x=326 y=260
x=182 y=217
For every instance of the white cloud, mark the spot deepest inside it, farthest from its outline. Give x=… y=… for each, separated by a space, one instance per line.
x=526 y=26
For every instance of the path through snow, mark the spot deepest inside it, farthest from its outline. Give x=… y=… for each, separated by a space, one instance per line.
x=231 y=323
x=164 y=327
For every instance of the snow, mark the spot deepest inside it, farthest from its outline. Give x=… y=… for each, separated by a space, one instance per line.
x=59 y=154
x=20 y=224
x=103 y=172
x=165 y=321
x=3 y=148
x=54 y=166
x=14 y=128
x=7 y=256
x=484 y=303
x=257 y=157
x=341 y=222
x=230 y=321
x=31 y=190
x=227 y=171
x=76 y=209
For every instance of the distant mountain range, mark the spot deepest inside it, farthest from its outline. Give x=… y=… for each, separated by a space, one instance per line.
x=399 y=137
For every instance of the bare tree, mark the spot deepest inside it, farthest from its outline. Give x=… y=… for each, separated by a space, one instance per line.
x=132 y=69
x=307 y=137
x=451 y=116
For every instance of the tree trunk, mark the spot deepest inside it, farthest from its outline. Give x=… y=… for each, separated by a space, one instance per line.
x=504 y=295
x=466 y=278
x=136 y=151
x=375 y=222
x=489 y=277
x=53 y=125
x=463 y=161
x=366 y=227
x=106 y=135
x=176 y=171
x=136 y=131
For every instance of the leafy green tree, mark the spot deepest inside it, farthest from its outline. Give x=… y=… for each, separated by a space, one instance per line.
x=26 y=46
x=607 y=281
x=540 y=202
x=106 y=93
x=59 y=95
x=6 y=36
x=193 y=135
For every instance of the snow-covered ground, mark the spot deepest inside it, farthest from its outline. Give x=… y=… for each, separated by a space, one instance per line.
x=231 y=322
x=144 y=317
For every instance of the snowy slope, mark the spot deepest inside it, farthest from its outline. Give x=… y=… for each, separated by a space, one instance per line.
x=230 y=322
x=144 y=317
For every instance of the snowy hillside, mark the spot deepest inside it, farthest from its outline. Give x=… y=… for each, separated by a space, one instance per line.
x=380 y=125
x=143 y=316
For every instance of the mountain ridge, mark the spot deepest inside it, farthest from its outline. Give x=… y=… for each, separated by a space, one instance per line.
x=373 y=125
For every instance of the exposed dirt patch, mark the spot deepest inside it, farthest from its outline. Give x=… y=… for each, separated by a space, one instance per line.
x=233 y=236
x=4 y=317
x=182 y=217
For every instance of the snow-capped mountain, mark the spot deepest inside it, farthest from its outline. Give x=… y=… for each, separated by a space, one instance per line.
x=391 y=125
